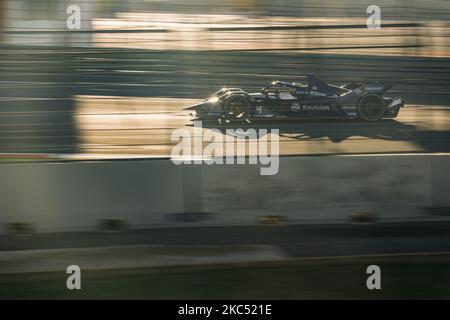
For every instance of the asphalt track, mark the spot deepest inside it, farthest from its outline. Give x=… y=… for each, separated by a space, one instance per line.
x=111 y=127
x=104 y=102
x=294 y=240
x=143 y=126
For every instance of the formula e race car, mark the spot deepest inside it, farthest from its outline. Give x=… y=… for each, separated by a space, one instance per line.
x=314 y=99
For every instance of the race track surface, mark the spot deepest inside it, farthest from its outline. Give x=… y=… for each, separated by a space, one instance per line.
x=106 y=102
x=143 y=126
x=295 y=240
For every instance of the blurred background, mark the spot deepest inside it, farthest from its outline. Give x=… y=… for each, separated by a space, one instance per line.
x=71 y=91
x=86 y=117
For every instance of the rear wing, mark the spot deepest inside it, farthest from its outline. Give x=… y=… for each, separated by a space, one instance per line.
x=372 y=87
x=377 y=87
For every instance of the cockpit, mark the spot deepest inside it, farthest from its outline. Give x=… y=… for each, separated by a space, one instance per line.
x=294 y=90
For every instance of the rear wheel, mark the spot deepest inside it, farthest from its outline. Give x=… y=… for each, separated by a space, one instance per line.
x=371 y=107
x=236 y=108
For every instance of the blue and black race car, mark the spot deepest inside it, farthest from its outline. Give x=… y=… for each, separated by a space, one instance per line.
x=315 y=98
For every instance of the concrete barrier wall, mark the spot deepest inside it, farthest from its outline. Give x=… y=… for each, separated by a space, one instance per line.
x=325 y=189
x=76 y=195
x=440 y=177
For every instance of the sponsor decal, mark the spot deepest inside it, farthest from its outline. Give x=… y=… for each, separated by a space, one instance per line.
x=374 y=87
x=295 y=107
x=259 y=109
x=309 y=107
x=317 y=93
x=315 y=107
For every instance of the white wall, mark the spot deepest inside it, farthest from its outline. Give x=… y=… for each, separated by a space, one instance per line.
x=66 y=196
x=331 y=188
x=76 y=195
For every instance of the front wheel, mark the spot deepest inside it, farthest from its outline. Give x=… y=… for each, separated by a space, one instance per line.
x=236 y=108
x=371 y=107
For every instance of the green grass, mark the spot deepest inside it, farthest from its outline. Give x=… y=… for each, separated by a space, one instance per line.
x=412 y=277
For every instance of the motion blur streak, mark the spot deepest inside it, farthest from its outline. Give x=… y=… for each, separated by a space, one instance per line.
x=188 y=49
x=117 y=88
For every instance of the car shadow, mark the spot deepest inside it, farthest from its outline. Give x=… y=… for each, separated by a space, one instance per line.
x=339 y=130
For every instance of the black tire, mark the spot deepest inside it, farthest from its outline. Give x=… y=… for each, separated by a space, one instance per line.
x=236 y=108
x=371 y=107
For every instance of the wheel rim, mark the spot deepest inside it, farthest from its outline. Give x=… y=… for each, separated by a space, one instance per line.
x=372 y=109
x=237 y=109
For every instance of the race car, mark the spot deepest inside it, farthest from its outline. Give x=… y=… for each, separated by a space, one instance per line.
x=313 y=99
